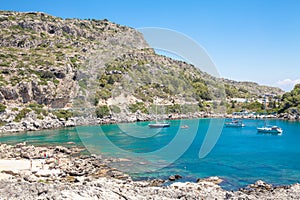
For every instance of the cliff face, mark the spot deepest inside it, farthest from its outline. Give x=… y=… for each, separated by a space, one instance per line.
x=57 y=63
x=40 y=54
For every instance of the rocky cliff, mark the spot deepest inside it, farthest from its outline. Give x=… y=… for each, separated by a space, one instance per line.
x=40 y=54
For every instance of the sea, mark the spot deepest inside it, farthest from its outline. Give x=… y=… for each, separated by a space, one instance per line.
x=195 y=148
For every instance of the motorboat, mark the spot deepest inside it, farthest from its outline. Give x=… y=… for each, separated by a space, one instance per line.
x=270 y=129
x=159 y=125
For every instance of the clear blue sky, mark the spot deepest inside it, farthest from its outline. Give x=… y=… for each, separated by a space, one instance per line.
x=253 y=40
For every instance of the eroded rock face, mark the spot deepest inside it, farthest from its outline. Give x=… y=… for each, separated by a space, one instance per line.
x=25 y=92
x=1 y=97
x=9 y=93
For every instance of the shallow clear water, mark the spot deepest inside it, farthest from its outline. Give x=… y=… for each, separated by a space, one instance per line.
x=240 y=156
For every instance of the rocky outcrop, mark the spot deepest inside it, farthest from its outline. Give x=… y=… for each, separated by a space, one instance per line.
x=9 y=93
x=31 y=122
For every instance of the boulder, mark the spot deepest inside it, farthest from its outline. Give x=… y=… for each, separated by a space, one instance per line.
x=156 y=182
x=172 y=178
x=30 y=178
x=48 y=173
x=261 y=184
x=11 y=172
x=70 y=123
x=63 y=149
x=212 y=179
x=175 y=177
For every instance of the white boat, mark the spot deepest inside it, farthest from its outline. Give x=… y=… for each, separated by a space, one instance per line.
x=235 y=123
x=158 y=124
x=269 y=129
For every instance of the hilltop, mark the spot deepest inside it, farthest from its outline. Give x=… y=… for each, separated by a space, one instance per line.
x=49 y=66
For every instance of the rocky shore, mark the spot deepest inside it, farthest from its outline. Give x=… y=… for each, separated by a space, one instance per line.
x=32 y=123
x=63 y=173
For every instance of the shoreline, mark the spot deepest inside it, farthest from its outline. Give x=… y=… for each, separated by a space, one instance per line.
x=31 y=123
x=63 y=173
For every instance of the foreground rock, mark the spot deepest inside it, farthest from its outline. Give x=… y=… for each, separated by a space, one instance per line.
x=62 y=175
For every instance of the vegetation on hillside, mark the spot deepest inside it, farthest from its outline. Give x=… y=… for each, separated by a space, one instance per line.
x=45 y=60
x=291 y=101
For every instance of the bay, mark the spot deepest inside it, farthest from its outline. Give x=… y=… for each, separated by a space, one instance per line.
x=241 y=155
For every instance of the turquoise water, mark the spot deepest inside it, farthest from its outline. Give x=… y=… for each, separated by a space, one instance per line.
x=241 y=155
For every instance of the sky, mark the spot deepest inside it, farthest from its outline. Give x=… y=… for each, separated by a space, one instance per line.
x=248 y=40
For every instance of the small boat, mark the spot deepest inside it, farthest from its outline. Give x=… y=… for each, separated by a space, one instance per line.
x=270 y=129
x=159 y=125
x=234 y=123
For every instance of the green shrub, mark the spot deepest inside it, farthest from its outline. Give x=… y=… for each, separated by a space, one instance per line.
x=254 y=106
x=46 y=74
x=96 y=100
x=115 y=109
x=102 y=111
x=5 y=71
x=41 y=117
x=104 y=94
x=65 y=114
x=2 y=108
x=2 y=123
x=22 y=114
x=73 y=60
x=56 y=82
x=15 y=80
x=138 y=106
x=35 y=105
x=174 y=108
x=82 y=84
x=15 y=109
x=40 y=111
x=59 y=45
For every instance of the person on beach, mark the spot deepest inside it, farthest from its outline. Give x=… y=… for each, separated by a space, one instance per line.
x=56 y=161
x=43 y=164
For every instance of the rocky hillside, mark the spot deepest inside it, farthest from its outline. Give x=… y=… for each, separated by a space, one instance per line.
x=40 y=54
x=48 y=63
x=246 y=89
